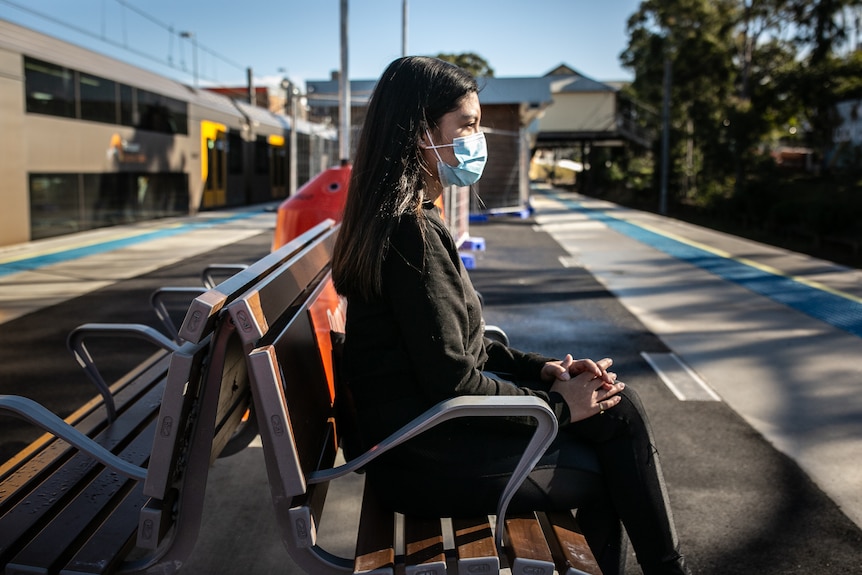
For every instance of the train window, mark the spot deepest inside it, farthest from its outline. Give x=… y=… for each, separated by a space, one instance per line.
x=127 y=106
x=162 y=114
x=54 y=205
x=234 y=152
x=50 y=88
x=179 y=114
x=153 y=114
x=261 y=155
x=98 y=98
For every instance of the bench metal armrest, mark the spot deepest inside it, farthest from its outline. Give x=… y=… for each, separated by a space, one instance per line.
x=40 y=416
x=157 y=302
x=75 y=344
x=469 y=406
x=496 y=333
x=208 y=273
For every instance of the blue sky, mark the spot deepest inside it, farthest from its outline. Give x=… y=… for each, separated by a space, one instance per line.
x=302 y=37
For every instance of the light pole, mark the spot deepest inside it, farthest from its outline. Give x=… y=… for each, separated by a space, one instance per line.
x=291 y=96
x=190 y=36
x=665 y=136
x=404 y=28
x=344 y=91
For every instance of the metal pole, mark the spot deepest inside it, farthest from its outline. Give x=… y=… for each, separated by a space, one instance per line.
x=294 y=96
x=665 y=137
x=344 y=90
x=195 y=59
x=191 y=36
x=249 y=76
x=404 y=28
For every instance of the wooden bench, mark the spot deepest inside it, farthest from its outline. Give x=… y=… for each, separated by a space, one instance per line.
x=119 y=485
x=296 y=404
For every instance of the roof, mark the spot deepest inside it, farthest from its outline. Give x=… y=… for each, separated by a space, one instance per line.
x=325 y=92
x=532 y=91
x=565 y=79
x=573 y=84
x=535 y=92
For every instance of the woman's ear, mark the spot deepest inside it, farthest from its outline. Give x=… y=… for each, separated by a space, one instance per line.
x=423 y=140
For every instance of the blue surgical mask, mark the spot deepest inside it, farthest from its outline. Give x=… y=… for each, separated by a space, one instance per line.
x=471 y=152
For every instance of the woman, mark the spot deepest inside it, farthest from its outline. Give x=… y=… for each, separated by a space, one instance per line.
x=415 y=337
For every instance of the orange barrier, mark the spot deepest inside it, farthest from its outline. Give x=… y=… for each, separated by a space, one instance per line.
x=321 y=197
x=325 y=310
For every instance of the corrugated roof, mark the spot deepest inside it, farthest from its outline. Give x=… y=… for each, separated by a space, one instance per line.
x=572 y=84
x=532 y=91
x=325 y=92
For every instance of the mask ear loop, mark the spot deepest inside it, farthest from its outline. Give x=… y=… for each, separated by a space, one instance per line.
x=432 y=146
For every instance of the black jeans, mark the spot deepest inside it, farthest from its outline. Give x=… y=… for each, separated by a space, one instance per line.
x=606 y=467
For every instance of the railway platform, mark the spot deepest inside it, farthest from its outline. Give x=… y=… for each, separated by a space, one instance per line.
x=747 y=358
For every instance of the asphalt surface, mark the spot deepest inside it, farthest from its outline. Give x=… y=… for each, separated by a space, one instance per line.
x=742 y=503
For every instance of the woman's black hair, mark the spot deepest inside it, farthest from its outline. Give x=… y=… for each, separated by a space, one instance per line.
x=387 y=177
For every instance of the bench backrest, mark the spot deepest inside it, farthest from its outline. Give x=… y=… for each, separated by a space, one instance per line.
x=208 y=331
x=296 y=417
x=203 y=311
x=210 y=377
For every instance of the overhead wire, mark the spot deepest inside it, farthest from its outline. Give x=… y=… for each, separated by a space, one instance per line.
x=124 y=45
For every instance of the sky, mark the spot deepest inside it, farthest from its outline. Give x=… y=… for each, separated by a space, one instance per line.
x=301 y=39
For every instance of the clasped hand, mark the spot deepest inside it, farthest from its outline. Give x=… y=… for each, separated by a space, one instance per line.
x=586 y=385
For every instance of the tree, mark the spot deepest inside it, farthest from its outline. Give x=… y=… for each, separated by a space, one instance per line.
x=694 y=35
x=471 y=62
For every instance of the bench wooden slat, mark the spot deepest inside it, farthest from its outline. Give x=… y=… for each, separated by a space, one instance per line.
x=85 y=511
x=577 y=558
x=64 y=483
x=116 y=532
x=375 y=542
x=235 y=394
x=474 y=545
x=423 y=546
x=529 y=553
x=89 y=420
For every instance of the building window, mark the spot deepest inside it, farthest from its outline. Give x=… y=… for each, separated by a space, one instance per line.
x=50 y=88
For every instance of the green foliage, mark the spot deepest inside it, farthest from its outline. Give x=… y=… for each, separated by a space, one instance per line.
x=743 y=73
x=750 y=76
x=471 y=62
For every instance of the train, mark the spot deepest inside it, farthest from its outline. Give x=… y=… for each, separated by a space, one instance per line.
x=90 y=141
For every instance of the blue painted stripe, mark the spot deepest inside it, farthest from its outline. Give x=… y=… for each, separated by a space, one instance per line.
x=831 y=308
x=36 y=262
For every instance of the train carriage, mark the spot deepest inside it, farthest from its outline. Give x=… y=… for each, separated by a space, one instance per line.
x=90 y=141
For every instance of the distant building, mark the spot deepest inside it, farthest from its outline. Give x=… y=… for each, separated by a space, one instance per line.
x=587 y=112
x=563 y=109
x=510 y=107
x=241 y=93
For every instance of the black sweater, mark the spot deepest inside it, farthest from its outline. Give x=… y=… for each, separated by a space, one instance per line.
x=423 y=340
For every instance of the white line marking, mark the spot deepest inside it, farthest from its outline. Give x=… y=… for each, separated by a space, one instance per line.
x=679 y=378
